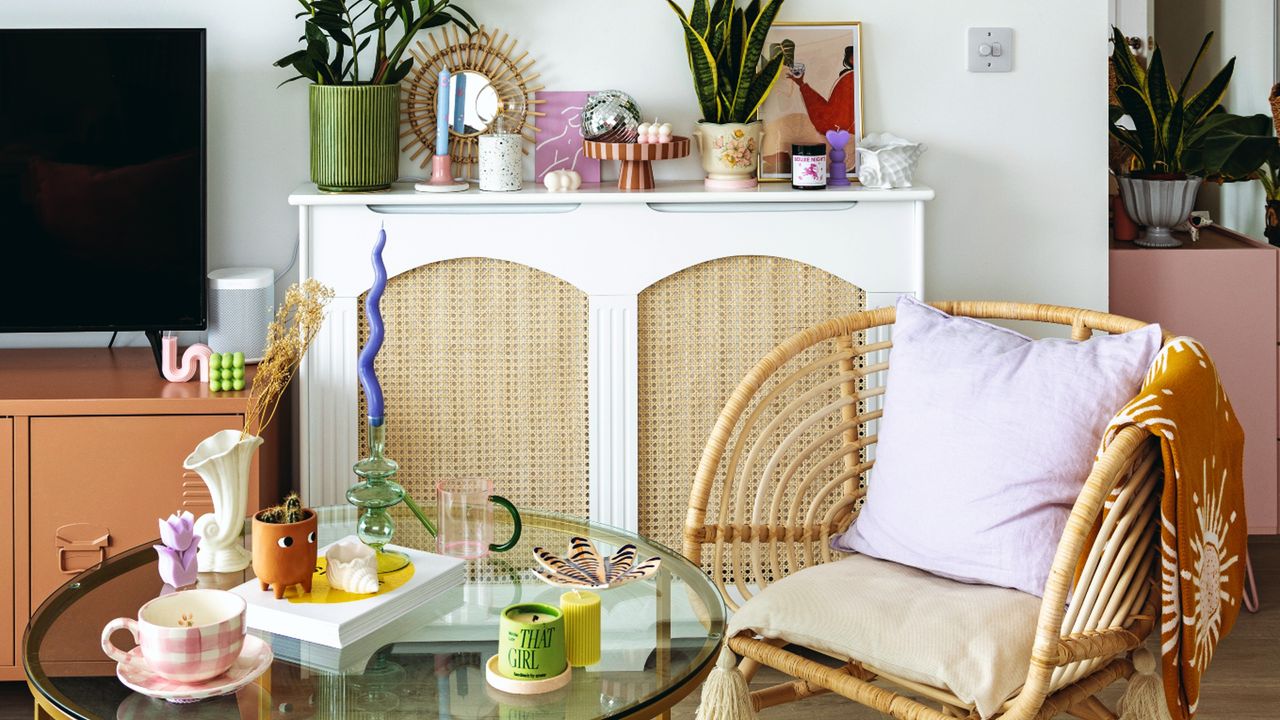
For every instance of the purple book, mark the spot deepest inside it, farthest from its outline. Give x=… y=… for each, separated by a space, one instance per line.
x=559 y=145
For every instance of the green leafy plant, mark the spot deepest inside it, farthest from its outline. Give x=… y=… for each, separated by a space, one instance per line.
x=1177 y=132
x=725 y=44
x=336 y=32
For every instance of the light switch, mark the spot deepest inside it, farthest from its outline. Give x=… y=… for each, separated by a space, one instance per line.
x=990 y=49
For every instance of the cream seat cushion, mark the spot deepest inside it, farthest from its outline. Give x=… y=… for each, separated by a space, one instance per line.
x=973 y=640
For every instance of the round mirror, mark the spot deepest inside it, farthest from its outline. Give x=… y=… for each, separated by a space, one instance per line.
x=473 y=103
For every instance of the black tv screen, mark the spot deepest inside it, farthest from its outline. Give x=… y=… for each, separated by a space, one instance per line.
x=102 y=180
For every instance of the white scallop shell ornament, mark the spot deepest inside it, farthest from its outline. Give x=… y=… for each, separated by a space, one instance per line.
x=353 y=567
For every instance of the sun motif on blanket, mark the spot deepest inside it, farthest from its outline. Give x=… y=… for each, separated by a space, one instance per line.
x=1212 y=561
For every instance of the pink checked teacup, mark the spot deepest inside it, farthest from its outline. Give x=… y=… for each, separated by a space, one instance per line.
x=184 y=636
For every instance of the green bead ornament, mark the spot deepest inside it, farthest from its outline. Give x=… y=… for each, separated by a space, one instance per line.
x=238 y=383
x=237 y=374
x=215 y=361
x=215 y=386
x=237 y=360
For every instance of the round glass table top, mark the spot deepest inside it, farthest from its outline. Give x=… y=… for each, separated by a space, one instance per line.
x=660 y=637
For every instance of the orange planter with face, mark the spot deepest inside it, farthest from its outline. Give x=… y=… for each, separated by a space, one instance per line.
x=284 y=554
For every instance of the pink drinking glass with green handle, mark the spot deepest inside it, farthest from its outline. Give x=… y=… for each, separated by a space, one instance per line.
x=465 y=518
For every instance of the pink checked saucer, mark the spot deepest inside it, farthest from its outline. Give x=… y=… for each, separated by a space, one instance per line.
x=255 y=658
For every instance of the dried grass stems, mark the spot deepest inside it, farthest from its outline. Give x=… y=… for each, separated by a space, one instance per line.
x=297 y=323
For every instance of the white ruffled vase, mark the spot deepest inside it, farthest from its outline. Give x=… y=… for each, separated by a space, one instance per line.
x=223 y=460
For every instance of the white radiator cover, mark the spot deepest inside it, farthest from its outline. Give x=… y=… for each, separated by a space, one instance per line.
x=609 y=244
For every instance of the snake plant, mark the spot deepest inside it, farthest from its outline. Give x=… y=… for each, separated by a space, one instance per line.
x=1177 y=132
x=725 y=44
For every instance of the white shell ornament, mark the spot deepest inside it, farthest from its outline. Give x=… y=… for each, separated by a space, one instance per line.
x=585 y=567
x=352 y=567
x=562 y=180
x=887 y=161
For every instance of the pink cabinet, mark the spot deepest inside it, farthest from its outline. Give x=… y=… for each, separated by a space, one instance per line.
x=1221 y=291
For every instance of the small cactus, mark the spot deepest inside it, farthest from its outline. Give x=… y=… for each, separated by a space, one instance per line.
x=288 y=512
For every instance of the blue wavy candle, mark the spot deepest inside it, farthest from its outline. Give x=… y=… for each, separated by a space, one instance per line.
x=372 y=309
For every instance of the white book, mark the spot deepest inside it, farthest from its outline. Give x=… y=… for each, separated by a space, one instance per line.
x=340 y=624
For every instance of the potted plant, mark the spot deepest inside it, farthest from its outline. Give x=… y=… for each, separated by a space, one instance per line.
x=1269 y=176
x=355 y=115
x=284 y=546
x=1178 y=139
x=725 y=44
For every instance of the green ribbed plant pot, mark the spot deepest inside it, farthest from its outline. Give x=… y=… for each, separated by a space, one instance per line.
x=355 y=137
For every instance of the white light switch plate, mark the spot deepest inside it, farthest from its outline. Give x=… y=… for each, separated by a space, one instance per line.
x=990 y=49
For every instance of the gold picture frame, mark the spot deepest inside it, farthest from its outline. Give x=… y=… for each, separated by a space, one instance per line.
x=825 y=67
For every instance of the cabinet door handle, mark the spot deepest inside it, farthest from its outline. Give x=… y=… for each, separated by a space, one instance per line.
x=81 y=538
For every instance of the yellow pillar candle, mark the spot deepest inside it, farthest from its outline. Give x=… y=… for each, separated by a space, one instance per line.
x=581 y=611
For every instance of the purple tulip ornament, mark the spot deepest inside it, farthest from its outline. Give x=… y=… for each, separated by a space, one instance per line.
x=178 y=553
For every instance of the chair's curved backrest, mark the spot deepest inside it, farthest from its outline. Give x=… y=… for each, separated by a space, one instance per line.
x=787 y=462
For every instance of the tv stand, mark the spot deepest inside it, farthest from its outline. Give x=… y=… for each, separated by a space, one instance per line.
x=91 y=451
x=153 y=337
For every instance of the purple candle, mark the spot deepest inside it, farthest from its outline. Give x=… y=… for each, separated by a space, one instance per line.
x=368 y=378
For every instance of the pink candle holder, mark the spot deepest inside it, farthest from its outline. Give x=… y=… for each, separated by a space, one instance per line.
x=442 y=179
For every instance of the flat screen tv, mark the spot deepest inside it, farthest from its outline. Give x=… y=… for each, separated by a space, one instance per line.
x=102 y=180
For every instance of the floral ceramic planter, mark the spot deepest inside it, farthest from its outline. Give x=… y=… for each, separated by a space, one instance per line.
x=730 y=153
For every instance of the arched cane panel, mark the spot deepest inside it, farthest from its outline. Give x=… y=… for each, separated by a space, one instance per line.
x=700 y=331
x=484 y=373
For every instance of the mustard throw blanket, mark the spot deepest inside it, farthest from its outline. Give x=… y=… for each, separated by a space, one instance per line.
x=1203 y=533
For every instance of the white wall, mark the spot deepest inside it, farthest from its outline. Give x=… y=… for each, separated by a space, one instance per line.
x=1018 y=160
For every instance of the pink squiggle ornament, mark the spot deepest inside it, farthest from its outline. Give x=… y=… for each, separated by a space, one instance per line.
x=196 y=357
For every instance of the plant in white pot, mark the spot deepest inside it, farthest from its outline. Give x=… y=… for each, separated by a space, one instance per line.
x=725 y=44
x=355 y=115
x=1177 y=138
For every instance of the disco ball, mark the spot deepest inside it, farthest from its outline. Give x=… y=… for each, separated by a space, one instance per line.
x=610 y=116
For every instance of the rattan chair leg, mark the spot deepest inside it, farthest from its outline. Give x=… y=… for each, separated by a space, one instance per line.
x=784 y=693
x=1060 y=701
x=1091 y=708
x=749 y=667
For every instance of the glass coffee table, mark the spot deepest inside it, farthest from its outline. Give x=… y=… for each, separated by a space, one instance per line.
x=661 y=637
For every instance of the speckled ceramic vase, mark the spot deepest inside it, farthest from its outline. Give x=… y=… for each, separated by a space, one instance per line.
x=500 y=162
x=355 y=137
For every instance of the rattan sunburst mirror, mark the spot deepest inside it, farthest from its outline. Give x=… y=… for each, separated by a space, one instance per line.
x=495 y=83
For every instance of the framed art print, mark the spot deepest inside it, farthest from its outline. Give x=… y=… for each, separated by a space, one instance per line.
x=820 y=90
x=559 y=145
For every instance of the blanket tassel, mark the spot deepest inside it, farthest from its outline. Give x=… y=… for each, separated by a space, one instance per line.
x=1144 y=698
x=725 y=695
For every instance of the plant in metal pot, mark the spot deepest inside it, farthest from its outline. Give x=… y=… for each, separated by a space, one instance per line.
x=731 y=77
x=355 y=90
x=1178 y=138
x=1269 y=176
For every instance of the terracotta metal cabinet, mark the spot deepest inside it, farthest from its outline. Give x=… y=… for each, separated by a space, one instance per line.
x=8 y=640
x=91 y=449
x=99 y=483
x=1221 y=291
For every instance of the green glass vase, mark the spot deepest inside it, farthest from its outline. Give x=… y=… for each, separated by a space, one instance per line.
x=355 y=137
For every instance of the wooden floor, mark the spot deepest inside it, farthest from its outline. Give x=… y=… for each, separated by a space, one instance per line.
x=1243 y=682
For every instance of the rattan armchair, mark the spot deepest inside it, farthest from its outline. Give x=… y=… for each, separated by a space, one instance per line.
x=786 y=468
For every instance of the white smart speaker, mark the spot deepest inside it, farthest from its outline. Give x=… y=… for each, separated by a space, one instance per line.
x=241 y=305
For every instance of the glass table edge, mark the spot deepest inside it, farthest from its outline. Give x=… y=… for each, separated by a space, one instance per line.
x=136 y=557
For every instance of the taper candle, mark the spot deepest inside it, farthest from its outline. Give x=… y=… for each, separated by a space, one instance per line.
x=372 y=309
x=581 y=627
x=460 y=104
x=442 y=113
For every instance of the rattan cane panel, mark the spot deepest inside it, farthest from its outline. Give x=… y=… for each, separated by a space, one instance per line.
x=700 y=330
x=484 y=373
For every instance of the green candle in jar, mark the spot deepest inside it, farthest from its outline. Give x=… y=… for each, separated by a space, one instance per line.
x=531 y=642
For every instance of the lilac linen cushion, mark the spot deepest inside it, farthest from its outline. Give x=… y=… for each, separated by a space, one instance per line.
x=986 y=440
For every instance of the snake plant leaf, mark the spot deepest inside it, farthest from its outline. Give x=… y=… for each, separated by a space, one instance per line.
x=1172 y=138
x=1128 y=71
x=760 y=87
x=752 y=12
x=753 y=48
x=731 y=54
x=1158 y=91
x=702 y=64
x=1210 y=96
x=1144 y=123
x=700 y=17
x=1186 y=80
